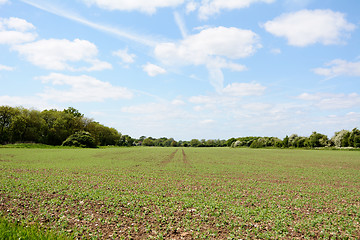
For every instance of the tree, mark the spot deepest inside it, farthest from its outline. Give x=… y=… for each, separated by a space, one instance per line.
x=230 y=142
x=354 y=138
x=341 y=139
x=126 y=141
x=73 y=112
x=195 y=143
x=174 y=144
x=285 y=142
x=7 y=115
x=259 y=143
x=149 y=142
x=317 y=140
x=80 y=139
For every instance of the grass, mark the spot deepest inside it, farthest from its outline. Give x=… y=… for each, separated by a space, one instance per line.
x=162 y=193
x=16 y=231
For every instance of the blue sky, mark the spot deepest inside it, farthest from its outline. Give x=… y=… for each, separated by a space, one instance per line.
x=212 y=69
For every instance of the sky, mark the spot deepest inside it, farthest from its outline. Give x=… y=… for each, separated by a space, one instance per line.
x=206 y=69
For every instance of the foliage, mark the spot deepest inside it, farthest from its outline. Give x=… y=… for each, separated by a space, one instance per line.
x=80 y=139
x=51 y=127
x=9 y=231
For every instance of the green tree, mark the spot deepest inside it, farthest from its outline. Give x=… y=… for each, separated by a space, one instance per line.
x=285 y=142
x=341 y=138
x=149 y=142
x=195 y=143
x=80 y=139
x=354 y=138
x=7 y=115
x=317 y=140
x=74 y=112
x=126 y=141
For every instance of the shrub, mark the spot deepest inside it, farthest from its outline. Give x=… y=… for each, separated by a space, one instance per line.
x=80 y=139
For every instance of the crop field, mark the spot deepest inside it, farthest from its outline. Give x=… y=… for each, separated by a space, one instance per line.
x=183 y=193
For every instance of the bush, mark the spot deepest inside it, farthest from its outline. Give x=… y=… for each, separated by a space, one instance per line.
x=80 y=139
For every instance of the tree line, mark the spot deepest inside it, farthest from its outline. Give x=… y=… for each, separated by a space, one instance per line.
x=71 y=128
x=54 y=127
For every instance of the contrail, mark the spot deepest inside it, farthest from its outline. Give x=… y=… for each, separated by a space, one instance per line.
x=45 y=6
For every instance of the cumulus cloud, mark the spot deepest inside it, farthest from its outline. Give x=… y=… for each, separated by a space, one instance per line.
x=81 y=89
x=5 y=68
x=307 y=27
x=244 y=89
x=196 y=49
x=213 y=48
x=153 y=70
x=339 y=67
x=191 y=7
x=211 y=7
x=56 y=54
x=145 y=6
x=15 y=31
x=126 y=58
x=331 y=101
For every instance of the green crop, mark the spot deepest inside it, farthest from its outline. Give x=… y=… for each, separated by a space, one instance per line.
x=200 y=193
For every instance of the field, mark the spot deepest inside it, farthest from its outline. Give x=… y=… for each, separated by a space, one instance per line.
x=183 y=193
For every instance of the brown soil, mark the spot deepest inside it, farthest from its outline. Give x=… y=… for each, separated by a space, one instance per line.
x=169 y=158
x=185 y=159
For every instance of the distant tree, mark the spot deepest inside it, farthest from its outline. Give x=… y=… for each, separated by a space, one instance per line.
x=195 y=143
x=341 y=138
x=126 y=141
x=354 y=138
x=74 y=112
x=285 y=142
x=230 y=142
x=258 y=143
x=292 y=140
x=148 y=142
x=80 y=139
x=174 y=144
x=317 y=140
x=7 y=115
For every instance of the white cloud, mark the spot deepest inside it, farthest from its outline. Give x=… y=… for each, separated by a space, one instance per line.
x=196 y=49
x=275 y=51
x=331 y=101
x=307 y=27
x=178 y=102
x=211 y=47
x=3 y=1
x=191 y=7
x=55 y=54
x=153 y=70
x=15 y=31
x=82 y=89
x=339 y=67
x=181 y=24
x=244 y=89
x=229 y=95
x=211 y=7
x=50 y=7
x=125 y=57
x=145 y=6
x=5 y=68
